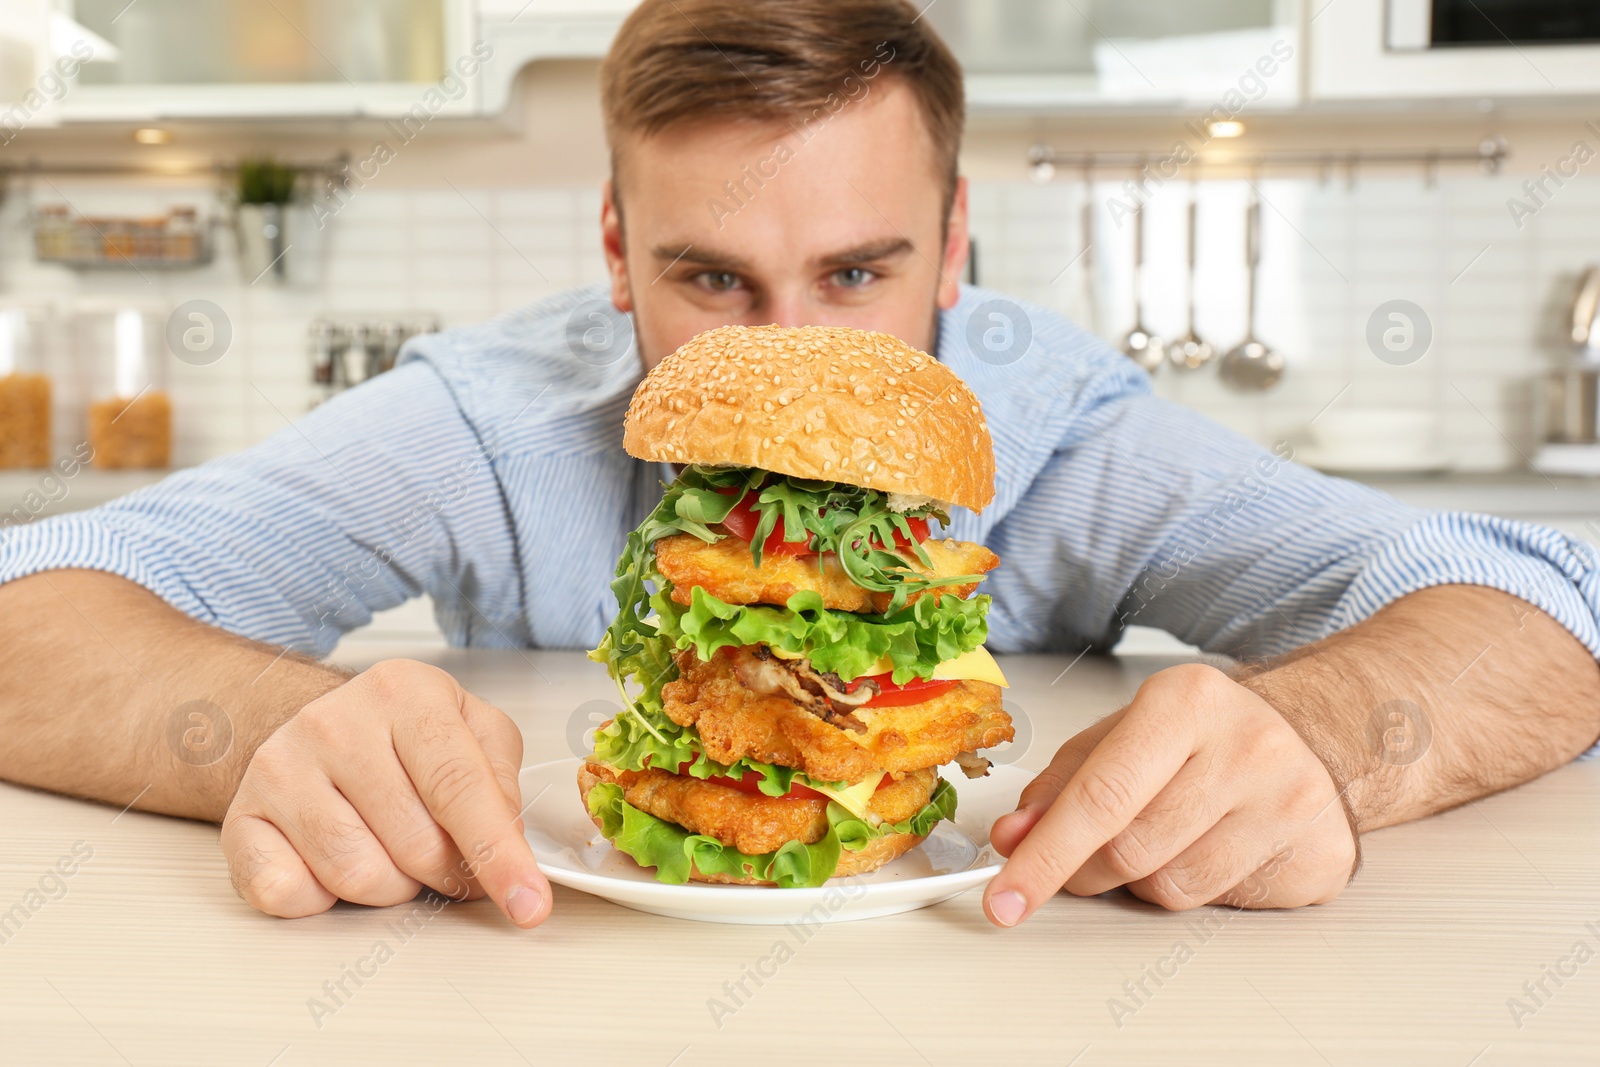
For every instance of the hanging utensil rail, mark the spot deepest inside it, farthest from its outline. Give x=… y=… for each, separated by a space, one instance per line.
x=1488 y=154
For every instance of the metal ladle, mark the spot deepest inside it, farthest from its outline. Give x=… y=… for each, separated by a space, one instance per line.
x=1190 y=352
x=1140 y=345
x=1251 y=367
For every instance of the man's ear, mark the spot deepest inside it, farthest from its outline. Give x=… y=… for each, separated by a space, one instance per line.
x=957 y=245
x=611 y=244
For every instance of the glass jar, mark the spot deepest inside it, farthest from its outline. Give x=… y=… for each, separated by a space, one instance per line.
x=183 y=234
x=130 y=412
x=25 y=392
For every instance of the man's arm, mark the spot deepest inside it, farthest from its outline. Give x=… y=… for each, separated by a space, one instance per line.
x=97 y=671
x=328 y=786
x=1252 y=792
x=1447 y=695
x=1145 y=513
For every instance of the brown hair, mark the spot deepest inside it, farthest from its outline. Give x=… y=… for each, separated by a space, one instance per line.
x=790 y=61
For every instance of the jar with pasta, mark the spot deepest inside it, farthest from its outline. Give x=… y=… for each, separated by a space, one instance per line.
x=130 y=412
x=24 y=391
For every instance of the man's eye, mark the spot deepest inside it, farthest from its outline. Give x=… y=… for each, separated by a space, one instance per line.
x=852 y=277
x=719 y=281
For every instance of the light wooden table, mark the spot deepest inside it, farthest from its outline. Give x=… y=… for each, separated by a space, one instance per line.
x=145 y=956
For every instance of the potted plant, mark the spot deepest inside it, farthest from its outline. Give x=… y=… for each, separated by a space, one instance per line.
x=263 y=220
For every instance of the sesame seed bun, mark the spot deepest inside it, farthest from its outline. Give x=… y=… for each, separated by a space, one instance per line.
x=821 y=402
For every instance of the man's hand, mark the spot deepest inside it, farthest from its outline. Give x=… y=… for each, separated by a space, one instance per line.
x=1182 y=796
x=395 y=780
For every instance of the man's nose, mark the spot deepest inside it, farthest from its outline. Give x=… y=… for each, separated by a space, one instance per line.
x=789 y=309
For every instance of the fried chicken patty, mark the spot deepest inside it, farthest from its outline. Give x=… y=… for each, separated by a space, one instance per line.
x=724 y=570
x=735 y=722
x=752 y=823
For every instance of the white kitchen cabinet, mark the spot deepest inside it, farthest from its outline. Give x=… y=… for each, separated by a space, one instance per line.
x=1352 y=60
x=1045 y=55
x=175 y=59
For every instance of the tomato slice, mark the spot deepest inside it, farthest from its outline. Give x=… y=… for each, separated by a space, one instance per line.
x=751 y=784
x=891 y=695
x=744 y=520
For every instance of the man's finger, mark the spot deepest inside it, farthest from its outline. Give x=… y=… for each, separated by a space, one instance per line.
x=1132 y=764
x=501 y=741
x=268 y=873
x=456 y=781
x=338 y=846
x=1192 y=803
x=379 y=789
x=1039 y=794
x=1221 y=858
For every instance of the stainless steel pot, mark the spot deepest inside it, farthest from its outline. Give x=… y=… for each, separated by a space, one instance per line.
x=1570 y=406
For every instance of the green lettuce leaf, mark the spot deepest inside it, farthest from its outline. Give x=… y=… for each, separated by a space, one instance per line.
x=672 y=850
x=916 y=639
x=854 y=833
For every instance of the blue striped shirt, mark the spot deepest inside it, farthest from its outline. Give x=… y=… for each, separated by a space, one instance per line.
x=487 y=471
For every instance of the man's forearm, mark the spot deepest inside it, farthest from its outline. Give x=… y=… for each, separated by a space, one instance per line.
x=1446 y=695
x=108 y=692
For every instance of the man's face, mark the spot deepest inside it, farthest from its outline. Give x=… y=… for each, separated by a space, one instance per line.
x=841 y=229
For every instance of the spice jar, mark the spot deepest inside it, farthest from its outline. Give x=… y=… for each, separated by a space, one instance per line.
x=24 y=392
x=130 y=413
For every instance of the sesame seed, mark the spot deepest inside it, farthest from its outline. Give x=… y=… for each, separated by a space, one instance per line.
x=738 y=417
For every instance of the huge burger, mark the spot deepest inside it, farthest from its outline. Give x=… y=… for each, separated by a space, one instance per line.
x=797 y=653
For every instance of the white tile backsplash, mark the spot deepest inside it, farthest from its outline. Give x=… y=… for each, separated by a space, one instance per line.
x=1331 y=254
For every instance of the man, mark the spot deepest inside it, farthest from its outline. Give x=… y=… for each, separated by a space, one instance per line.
x=789 y=161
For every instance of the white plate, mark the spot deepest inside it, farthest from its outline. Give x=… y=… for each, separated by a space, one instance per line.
x=955 y=858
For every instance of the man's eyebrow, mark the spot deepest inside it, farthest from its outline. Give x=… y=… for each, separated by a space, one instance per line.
x=872 y=251
x=700 y=257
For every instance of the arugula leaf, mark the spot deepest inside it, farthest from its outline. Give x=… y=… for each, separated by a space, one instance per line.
x=671 y=849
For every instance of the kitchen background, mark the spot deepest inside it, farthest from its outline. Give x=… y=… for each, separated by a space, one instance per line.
x=450 y=156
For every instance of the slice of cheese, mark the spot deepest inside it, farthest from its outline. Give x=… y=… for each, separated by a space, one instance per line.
x=853 y=798
x=976 y=666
